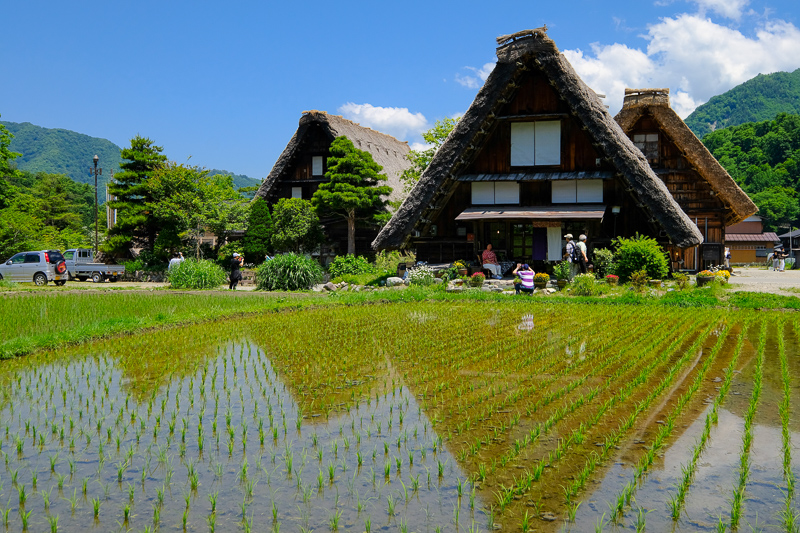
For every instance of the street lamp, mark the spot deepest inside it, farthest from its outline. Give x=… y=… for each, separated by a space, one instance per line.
x=96 y=171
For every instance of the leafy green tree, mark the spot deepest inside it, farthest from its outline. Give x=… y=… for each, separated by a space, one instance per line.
x=187 y=202
x=296 y=226
x=639 y=253
x=257 y=240
x=778 y=206
x=420 y=159
x=133 y=202
x=353 y=191
x=19 y=231
x=6 y=155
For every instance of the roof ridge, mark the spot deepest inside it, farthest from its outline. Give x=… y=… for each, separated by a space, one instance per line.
x=319 y=113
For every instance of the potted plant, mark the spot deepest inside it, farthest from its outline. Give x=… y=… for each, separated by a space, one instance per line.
x=540 y=280
x=612 y=279
x=723 y=276
x=461 y=266
x=561 y=271
x=477 y=279
x=704 y=277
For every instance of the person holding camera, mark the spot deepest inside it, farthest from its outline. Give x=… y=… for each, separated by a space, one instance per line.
x=236 y=273
x=525 y=274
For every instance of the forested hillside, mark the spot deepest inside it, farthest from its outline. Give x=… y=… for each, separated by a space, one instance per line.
x=758 y=99
x=764 y=159
x=60 y=151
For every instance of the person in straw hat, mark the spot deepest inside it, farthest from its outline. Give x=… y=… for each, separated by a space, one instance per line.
x=570 y=254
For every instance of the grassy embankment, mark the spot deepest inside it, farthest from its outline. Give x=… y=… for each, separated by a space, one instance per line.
x=30 y=322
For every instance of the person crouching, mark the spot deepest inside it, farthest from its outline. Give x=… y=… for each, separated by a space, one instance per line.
x=525 y=274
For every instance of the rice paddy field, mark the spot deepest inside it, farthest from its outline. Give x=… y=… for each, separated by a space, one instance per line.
x=424 y=417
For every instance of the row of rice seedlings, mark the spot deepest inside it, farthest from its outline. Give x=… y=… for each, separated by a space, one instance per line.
x=676 y=502
x=790 y=518
x=579 y=435
x=612 y=439
x=747 y=435
x=610 y=383
x=597 y=360
x=643 y=465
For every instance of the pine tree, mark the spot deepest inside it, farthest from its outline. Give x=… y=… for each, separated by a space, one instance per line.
x=353 y=191
x=257 y=237
x=135 y=224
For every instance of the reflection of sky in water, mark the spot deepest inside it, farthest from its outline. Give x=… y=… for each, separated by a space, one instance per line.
x=711 y=490
x=131 y=433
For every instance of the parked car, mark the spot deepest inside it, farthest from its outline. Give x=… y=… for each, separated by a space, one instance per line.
x=81 y=266
x=38 y=267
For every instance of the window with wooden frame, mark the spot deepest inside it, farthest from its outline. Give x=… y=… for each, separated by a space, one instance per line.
x=297 y=192
x=495 y=192
x=577 y=191
x=648 y=144
x=536 y=143
x=316 y=166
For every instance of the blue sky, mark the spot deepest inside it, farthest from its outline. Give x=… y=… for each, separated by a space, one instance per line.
x=226 y=82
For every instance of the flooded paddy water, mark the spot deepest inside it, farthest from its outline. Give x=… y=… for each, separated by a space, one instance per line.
x=412 y=417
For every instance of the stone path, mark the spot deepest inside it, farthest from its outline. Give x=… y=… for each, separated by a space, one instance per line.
x=761 y=280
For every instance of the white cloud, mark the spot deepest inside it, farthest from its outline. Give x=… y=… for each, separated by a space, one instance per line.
x=476 y=81
x=692 y=55
x=396 y=121
x=731 y=9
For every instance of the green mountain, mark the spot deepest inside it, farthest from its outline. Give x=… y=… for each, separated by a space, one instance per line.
x=60 y=151
x=755 y=100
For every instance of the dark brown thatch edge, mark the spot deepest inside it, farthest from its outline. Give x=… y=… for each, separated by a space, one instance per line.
x=697 y=154
x=648 y=190
x=283 y=160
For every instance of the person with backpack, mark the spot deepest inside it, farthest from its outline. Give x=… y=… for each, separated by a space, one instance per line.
x=571 y=256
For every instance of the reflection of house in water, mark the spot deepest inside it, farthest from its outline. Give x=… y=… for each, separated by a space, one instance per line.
x=537 y=155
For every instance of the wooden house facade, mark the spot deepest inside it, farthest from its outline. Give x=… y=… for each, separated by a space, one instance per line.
x=536 y=156
x=301 y=168
x=695 y=179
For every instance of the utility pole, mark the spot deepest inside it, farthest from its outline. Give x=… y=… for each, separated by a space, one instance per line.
x=96 y=171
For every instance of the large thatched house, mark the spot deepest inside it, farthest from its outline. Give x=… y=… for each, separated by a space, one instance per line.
x=696 y=180
x=536 y=156
x=302 y=166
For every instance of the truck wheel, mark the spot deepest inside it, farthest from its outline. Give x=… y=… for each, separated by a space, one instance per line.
x=97 y=277
x=40 y=279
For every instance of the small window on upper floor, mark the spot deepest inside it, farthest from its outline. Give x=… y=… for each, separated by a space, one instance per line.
x=297 y=192
x=536 y=143
x=577 y=191
x=316 y=166
x=648 y=144
x=495 y=192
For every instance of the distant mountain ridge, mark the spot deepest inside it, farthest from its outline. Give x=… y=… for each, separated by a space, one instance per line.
x=758 y=99
x=60 y=151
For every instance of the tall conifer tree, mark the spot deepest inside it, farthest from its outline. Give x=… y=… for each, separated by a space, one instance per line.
x=135 y=224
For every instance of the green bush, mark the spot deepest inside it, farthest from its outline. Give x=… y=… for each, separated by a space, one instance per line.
x=639 y=280
x=388 y=261
x=421 y=275
x=196 y=274
x=343 y=265
x=584 y=285
x=604 y=264
x=640 y=253
x=288 y=272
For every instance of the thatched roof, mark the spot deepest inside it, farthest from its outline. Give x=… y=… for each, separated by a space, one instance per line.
x=655 y=102
x=387 y=151
x=520 y=52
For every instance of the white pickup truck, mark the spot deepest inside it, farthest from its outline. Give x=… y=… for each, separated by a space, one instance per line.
x=80 y=266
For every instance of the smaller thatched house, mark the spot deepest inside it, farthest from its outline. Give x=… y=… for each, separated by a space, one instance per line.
x=536 y=156
x=302 y=166
x=696 y=180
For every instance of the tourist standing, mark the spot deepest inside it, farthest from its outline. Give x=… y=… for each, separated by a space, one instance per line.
x=582 y=259
x=570 y=252
x=176 y=260
x=236 y=273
